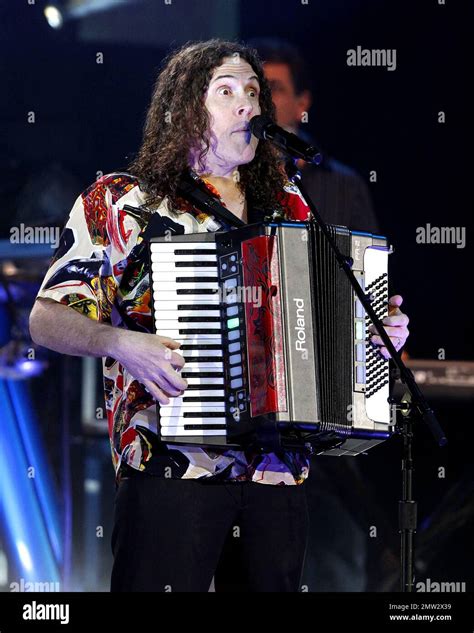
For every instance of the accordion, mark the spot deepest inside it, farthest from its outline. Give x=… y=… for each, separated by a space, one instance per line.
x=274 y=339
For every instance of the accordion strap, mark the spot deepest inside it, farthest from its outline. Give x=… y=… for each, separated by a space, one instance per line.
x=192 y=188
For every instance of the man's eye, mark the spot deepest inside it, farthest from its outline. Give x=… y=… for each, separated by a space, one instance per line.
x=253 y=93
x=224 y=91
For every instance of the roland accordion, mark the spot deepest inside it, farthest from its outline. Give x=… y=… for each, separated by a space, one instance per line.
x=274 y=339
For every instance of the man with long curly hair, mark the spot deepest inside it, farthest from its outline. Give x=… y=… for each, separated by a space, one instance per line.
x=177 y=506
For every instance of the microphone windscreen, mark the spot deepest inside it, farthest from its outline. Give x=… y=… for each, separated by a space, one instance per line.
x=257 y=125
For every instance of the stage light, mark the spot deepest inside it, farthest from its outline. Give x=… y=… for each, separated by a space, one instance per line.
x=54 y=16
x=29 y=506
x=82 y=8
x=24 y=554
x=56 y=13
x=20 y=359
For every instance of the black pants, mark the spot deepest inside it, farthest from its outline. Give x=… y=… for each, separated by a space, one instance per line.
x=175 y=535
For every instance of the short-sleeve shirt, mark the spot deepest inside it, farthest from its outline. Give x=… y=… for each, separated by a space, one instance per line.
x=101 y=270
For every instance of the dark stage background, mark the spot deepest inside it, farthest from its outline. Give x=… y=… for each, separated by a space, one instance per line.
x=88 y=119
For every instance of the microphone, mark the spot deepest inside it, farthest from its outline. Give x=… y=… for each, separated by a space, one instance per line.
x=266 y=130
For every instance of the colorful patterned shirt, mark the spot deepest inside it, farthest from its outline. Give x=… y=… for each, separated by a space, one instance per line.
x=101 y=270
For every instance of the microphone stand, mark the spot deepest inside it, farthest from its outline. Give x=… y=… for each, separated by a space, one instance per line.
x=413 y=404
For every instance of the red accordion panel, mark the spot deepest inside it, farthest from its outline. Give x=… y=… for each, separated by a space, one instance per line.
x=261 y=278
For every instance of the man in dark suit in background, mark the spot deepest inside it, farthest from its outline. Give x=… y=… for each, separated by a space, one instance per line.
x=336 y=558
x=340 y=194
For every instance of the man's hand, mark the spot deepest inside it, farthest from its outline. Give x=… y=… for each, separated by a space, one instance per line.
x=151 y=360
x=396 y=326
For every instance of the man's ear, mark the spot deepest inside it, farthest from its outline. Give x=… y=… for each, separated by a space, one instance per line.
x=305 y=100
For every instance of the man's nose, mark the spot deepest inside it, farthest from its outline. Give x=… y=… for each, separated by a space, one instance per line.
x=245 y=108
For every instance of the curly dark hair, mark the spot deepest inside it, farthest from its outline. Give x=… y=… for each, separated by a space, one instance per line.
x=177 y=121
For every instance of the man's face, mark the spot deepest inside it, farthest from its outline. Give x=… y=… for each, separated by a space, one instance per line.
x=232 y=99
x=288 y=104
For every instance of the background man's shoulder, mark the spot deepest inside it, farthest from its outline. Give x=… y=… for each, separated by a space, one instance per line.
x=344 y=171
